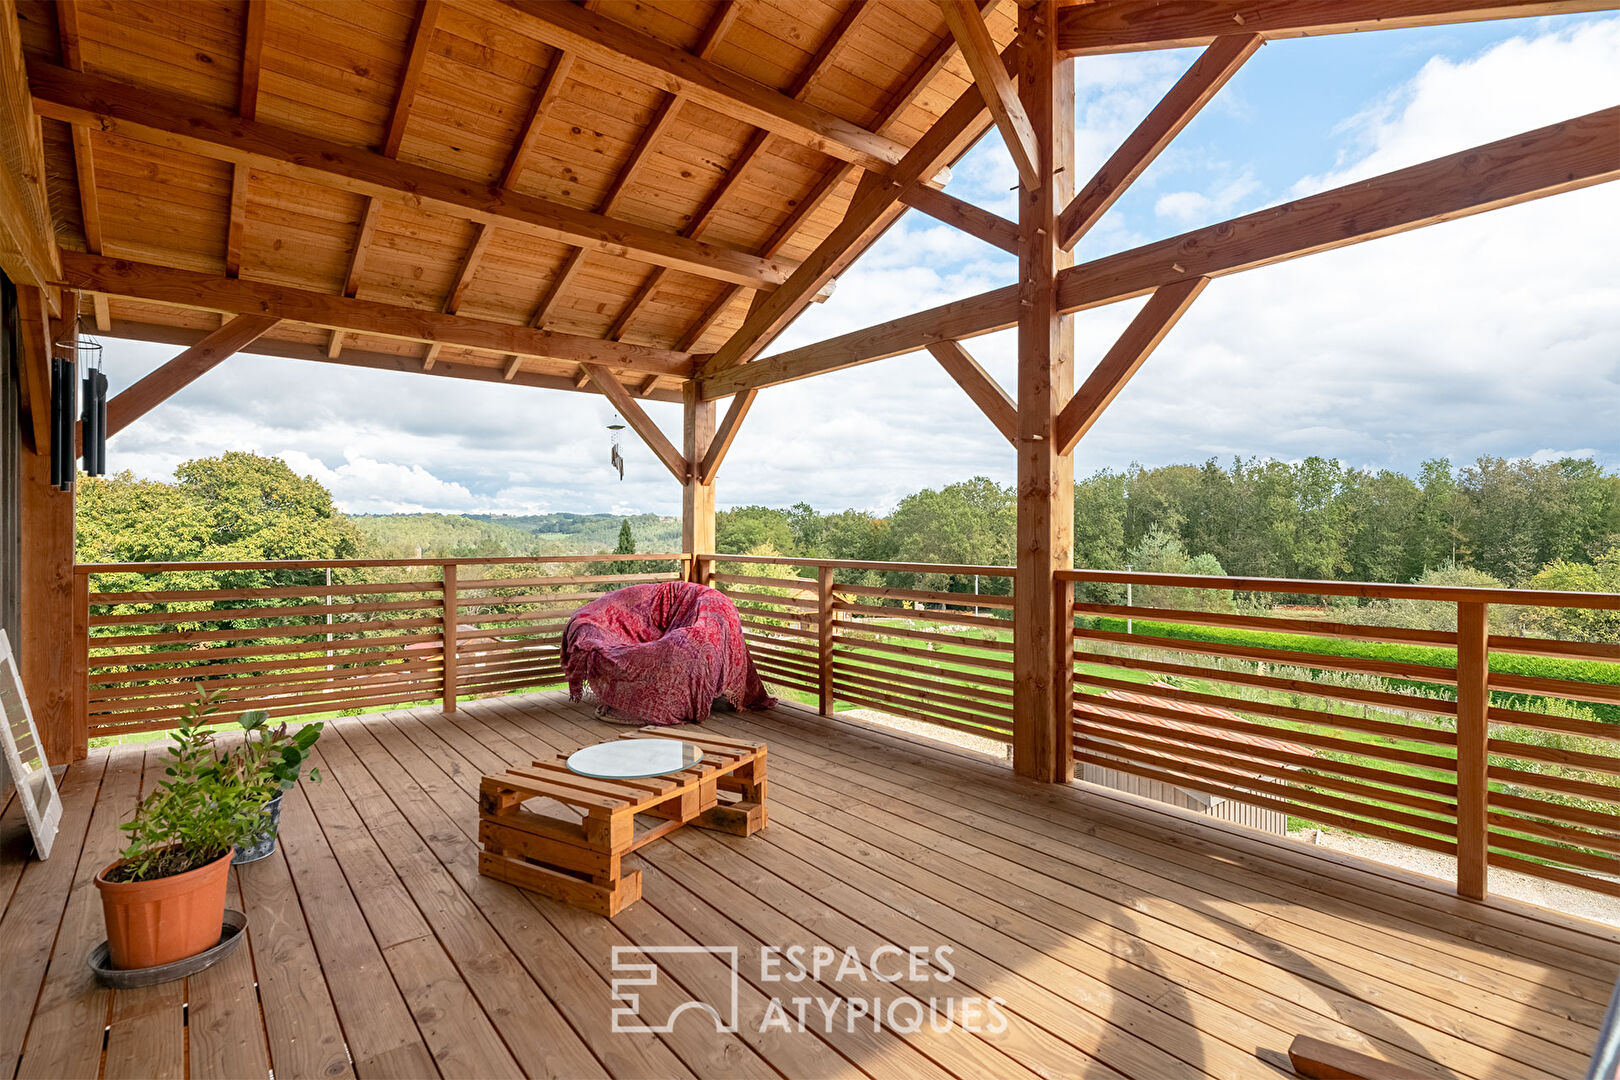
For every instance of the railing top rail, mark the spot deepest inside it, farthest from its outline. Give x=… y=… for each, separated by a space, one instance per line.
x=1367 y=589
x=338 y=564
x=858 y=564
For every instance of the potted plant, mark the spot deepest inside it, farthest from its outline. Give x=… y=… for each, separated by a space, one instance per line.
x=164 y=899
x=269 y=761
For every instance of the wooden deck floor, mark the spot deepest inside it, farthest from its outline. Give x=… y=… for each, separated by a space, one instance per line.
x=1125 y=940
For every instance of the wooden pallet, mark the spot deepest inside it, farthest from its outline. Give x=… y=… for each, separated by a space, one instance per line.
x=570 y=845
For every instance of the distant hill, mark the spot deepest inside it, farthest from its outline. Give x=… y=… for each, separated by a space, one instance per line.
x=405 y=536
x=584 y=533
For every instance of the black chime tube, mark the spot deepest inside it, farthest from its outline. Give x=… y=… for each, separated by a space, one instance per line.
x=101 y=423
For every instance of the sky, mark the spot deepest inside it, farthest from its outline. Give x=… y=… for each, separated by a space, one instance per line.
x=1495 y=335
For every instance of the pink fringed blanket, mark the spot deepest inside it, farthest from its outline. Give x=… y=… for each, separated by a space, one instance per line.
x=661 y=653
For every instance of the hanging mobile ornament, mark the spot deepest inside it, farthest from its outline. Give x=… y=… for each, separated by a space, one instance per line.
x=615 y=457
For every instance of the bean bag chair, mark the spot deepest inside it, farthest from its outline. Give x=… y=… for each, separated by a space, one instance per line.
x=661 y=654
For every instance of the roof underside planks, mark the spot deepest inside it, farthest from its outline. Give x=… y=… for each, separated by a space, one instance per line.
x=706 y=204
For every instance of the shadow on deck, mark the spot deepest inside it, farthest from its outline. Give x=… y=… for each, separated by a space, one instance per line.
x=1119 y=938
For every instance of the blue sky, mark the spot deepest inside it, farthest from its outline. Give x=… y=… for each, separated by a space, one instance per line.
x=1498 y=334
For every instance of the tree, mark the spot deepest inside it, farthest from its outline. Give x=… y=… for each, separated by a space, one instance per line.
x=1583 y=624
x=627 y=540
x=748 y=528
x=973 y=523
x=1160 y=552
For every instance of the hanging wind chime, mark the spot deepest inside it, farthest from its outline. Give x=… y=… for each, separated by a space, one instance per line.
x=69 y=357
x=615 y=457
x=93 y=422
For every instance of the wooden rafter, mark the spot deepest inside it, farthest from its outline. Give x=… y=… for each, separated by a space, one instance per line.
x=725 y=433
x=675 y=71
x=84 y=157
x=998 y=407
x=404 y=99
x=802 y=83
x=639 y=421
x=1130 y=25
x=34 y=362
x=247 y=105
x=1000 y=95
x=867 y=217
x=203 y=129
x=157 y=387
x=365 y=358
x=655 y=129
x=1162 y=311
x=1561 y=157
x=1169 y=117
x=551 y=84
x=185 y=288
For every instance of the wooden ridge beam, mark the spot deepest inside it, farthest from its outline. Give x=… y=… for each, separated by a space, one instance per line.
x=725 y=433
x=1162 y=311
x=365 y=358
x=998 y=407
x=1561 y=157
x=676 y=71
x=1000 y=95
x=639 y=421
x=203 y=129
x=865 y=220
x=993 y=229
x=1132 y=25
x=157 y=387
x=186 y=288
x=1169 y=117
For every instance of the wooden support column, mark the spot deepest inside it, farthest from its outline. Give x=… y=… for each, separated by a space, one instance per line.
x=825 y=616
x=697 y=490
x=1473 y=732
x=1042 y=746
x=52 y=667
x=451 y=635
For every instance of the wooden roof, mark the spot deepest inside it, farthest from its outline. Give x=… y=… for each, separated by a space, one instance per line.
x=685 y=203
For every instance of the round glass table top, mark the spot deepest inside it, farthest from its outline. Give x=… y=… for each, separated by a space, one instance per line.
x=634 y=759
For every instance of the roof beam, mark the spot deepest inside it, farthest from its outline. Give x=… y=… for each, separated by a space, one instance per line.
x=1561 y=157
x=1162 y=311
x=185 y=288
x=977 y=383
x=27 y=238
x=1132 y=25
x=993 y=229
x=866 y=219
x=1000 y=95
x=67 y=26
x=1169 y=117
x=157 y=387
x=637 y=418
x=203 y=129
x=247 y=104
x=34 y=362
x=675 y=71
x=363 y=358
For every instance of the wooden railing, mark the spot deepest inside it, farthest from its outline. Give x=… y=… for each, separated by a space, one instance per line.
x=882 y=636
x=303 y=638
x=1406 y=718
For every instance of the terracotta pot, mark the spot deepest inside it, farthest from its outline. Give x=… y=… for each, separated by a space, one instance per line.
x=165 y=919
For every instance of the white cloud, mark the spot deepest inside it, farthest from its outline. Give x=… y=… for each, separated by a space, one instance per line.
x=1194 y=207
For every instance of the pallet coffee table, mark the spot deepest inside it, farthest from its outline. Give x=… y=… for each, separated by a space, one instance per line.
x=553 y=830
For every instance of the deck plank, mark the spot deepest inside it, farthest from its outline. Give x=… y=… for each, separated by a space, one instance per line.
x=30 y=923
x=378 y=1027
x=1128 y=939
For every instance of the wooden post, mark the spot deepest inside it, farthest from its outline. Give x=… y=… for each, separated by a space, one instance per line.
x=1042 y=747
x=697 y=496
x=79 y=704
x=824 y=635
x=1473 y=730
x=450 y=636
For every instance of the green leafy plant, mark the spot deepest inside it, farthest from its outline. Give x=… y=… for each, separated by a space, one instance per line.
x=270 y=760
x=197 y=813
